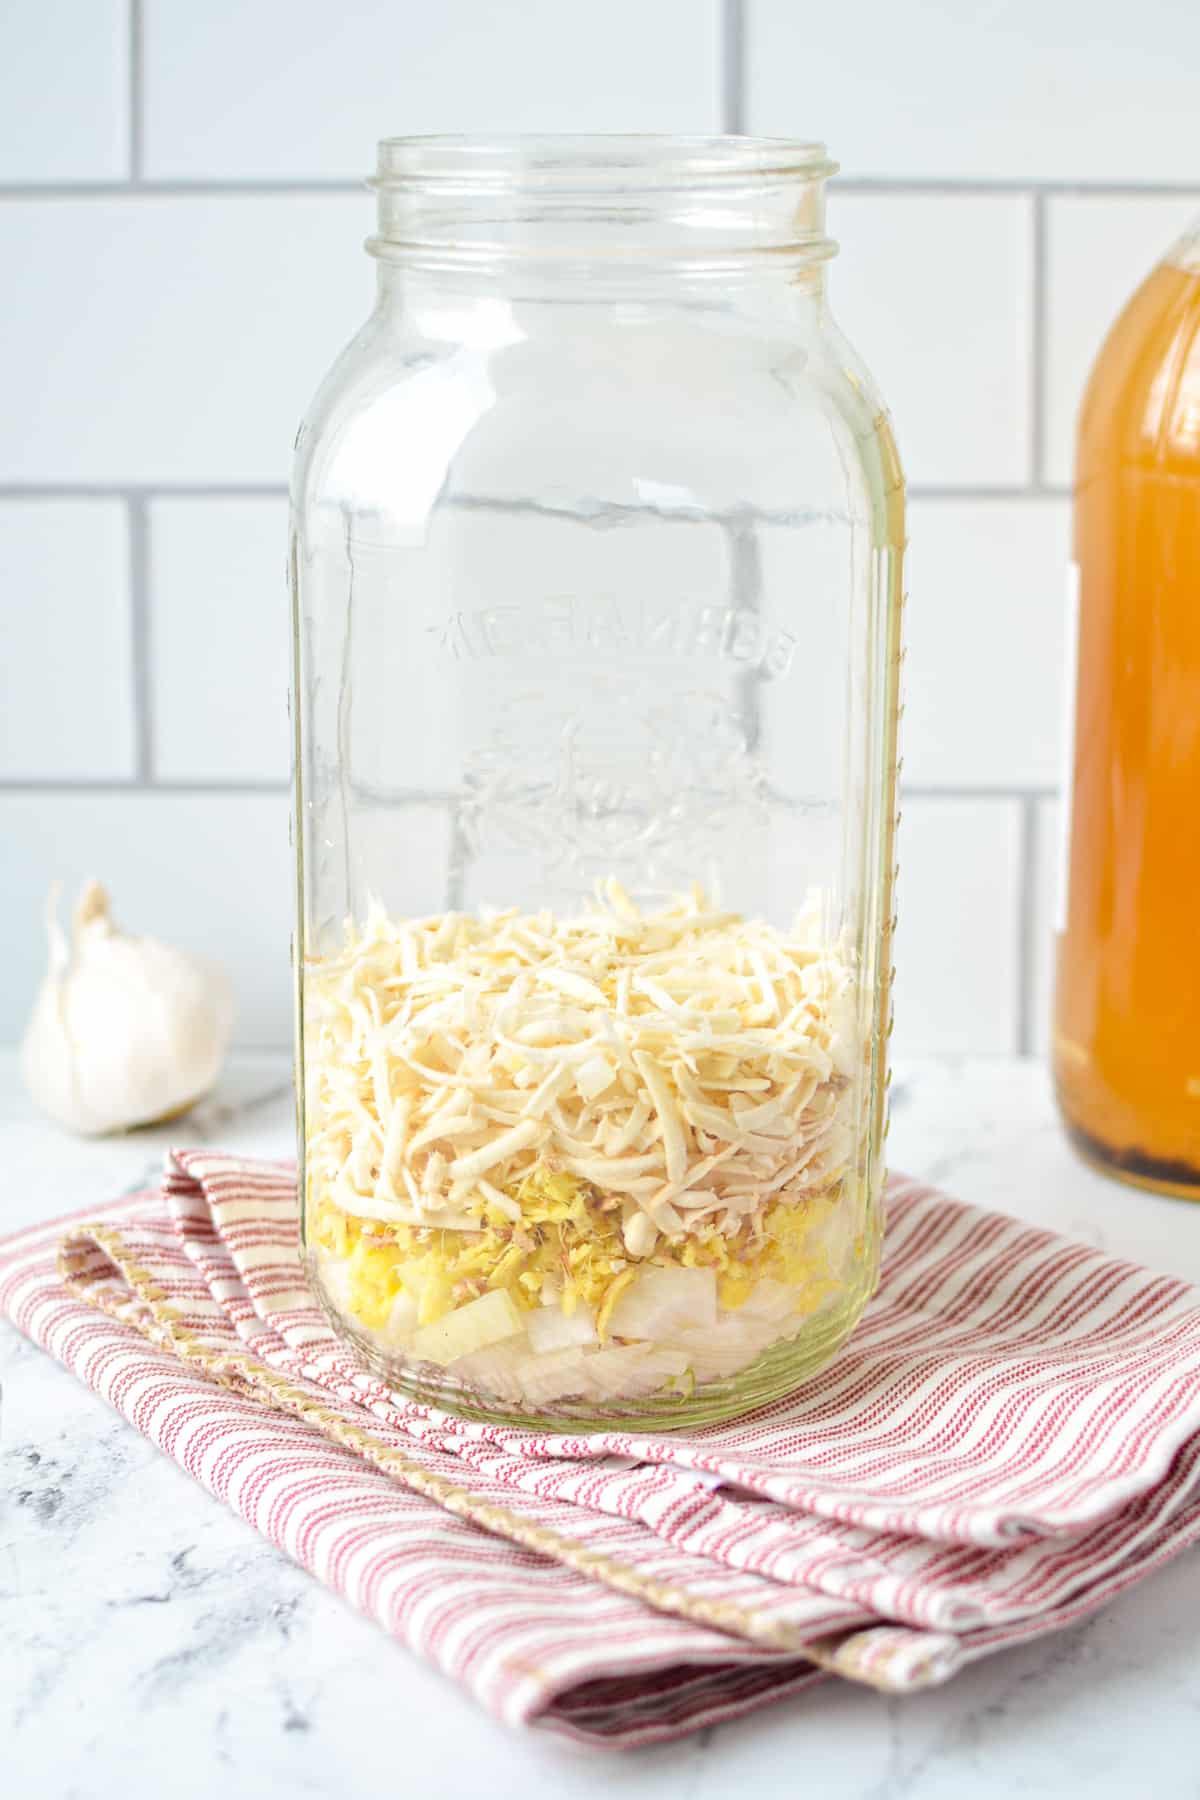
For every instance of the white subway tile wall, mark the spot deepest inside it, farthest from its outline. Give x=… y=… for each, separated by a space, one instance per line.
x=983 y=675
x=181 y=214
x=937 y=290
x=166 y=339
x=220 y=640
x=66 y=675
x=1027 y=90
x=65 y=83
x=300 y=89
x=957 y=949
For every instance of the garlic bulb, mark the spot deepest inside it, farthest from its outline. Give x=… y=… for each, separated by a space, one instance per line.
x=125 y=1030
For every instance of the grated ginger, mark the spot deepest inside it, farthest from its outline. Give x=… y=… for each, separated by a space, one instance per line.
x=539 y=1108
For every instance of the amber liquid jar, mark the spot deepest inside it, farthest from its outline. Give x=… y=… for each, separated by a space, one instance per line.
x=1126 y=1040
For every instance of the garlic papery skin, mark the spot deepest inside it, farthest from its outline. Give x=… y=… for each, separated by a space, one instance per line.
x=125 y=1030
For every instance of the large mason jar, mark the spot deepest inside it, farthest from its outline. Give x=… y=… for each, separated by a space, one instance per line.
x=596 y=558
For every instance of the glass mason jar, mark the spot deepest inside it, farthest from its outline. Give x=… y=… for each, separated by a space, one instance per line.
x=596 y=561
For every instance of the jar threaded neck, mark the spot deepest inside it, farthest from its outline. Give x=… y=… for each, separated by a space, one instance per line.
x=703 y=201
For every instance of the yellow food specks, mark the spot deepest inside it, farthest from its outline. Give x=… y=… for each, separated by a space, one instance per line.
x=734 y=1287
x=508 y=1267
x=372 y=1271
x=612 y=1294
x=568 y=1246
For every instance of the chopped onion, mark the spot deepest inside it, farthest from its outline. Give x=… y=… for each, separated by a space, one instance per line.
x=493 y=1371
x=550 y=1328
x=488 y=1320
x=554 y=1375
x=662 y=1302
x=729 y=1347
x=401 y=1322
x=630 y=1370
x=770 y=1299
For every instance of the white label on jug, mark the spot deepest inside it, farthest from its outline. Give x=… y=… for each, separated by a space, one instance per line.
x=1066 y=771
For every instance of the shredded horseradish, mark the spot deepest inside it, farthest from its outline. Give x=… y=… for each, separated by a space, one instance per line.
x=596 y=1155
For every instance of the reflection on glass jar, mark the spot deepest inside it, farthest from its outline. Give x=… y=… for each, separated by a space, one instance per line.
x=597 y=535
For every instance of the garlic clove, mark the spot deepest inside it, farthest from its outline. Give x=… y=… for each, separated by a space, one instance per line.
x=125 y=1030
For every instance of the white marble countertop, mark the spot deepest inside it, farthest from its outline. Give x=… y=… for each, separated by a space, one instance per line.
x=152 y=1644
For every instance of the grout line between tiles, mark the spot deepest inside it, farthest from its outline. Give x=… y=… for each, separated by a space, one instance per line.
x=52 y=784
x=745 y=596
x=142 y=490
x=935 y=492
x=140 y=638
x=136 y=92
x=1026 y=924
x=983 y=186
x=1037 y=347
x=458 y=858
x=250 y=187
x=947 y=791
x=733 y=66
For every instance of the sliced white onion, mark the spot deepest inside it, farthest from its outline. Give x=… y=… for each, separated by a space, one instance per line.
x=488 y=1320
x=662 y=1302
x=770 y=1299
x=625 y=1372
x=728 y=1348
x=555 y=1374
x=550 y=1328
x=494 y=1371
x=401 y=1322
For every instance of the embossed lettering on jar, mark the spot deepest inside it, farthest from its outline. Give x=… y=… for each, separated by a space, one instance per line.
x=596 y=561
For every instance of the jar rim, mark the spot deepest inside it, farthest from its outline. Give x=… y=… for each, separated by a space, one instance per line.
x=561 y=163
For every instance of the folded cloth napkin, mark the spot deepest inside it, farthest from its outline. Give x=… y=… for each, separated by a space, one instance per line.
x=1011 y=1437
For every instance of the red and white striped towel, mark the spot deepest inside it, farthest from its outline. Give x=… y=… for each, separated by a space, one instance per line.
x=1011 y=1437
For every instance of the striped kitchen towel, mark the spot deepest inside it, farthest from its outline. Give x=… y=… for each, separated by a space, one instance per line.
x=1011 y=1437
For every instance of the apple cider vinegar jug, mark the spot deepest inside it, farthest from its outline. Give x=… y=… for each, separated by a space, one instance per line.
x=1127 y=1010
